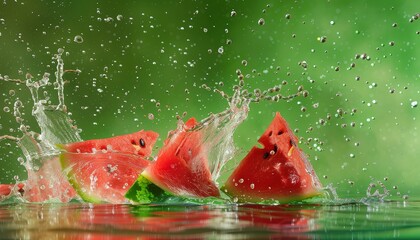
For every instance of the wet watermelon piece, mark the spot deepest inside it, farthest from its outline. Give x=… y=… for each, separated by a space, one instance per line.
x=139 y=143
x=277 y=172
x=106 y=175
x=181 y=169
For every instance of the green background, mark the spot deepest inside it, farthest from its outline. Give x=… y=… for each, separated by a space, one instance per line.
x=135 y=54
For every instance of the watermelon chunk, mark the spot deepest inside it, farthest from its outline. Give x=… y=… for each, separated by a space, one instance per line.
x=277 y=172
x=103 y=170
x=181 y=169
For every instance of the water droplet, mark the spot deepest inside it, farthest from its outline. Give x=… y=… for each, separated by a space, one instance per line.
x=78 y=39
x=6 y=109
x=220 y=50
x=322 y=39
x=252 y=186
x=151 y=116
x=233 y=13
x=414 y=104
x=119 y=17
x=261 y=21
x=303 y=64
x=352 y=155
x=287 y=16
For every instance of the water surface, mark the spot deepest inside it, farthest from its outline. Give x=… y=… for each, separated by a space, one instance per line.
x=378 y=220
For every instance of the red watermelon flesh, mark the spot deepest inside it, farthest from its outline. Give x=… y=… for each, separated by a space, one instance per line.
x=102 y=177
x=182 y=167
x=140 y=143
x=277 y=172
x=5 y=189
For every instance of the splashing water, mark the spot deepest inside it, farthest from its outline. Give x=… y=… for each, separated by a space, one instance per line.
x=45 y=180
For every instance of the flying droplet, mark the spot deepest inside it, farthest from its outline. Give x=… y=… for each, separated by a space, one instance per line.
x=322 y=39
x=78 y=39
x=220 y=50
x=414 y=104
x=261 y=21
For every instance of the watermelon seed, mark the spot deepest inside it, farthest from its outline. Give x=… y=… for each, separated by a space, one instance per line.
x=270 y=133
x=142 y=143
x=280 y=132
x=266 y=154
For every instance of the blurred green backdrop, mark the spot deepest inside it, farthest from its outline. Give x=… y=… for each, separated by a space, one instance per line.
x=133 y=55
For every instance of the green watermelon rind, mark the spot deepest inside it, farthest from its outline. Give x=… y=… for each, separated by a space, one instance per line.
x=66 y=166
x=144 y=191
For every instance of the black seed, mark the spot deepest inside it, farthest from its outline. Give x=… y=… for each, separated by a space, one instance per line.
x=280 y=132
x=142 y=142
x=292 y=143
x=275 y=148
x=270 y=133
x=21 y=191
x=266 y=154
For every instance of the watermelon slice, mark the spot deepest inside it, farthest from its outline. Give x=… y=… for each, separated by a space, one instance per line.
x=181 y=169
x=107 y=174
x=277 y=172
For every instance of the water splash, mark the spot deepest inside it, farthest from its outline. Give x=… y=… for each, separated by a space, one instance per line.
x=375 y=192
x=45 y=180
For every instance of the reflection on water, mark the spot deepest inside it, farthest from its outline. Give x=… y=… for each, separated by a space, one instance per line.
x=87 y=221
